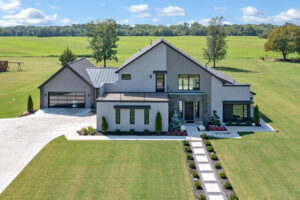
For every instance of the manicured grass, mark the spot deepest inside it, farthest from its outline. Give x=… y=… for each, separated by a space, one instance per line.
x=260 y=166
x=104 y=170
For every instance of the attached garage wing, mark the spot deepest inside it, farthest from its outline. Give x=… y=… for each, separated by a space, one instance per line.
x=66 y=99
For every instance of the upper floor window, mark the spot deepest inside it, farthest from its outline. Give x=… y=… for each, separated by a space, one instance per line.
x=160 y=82
x=188 y=82
x=126 y=76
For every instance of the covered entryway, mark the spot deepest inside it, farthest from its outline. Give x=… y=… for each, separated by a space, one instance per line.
x=189 y=111
x=66 y=99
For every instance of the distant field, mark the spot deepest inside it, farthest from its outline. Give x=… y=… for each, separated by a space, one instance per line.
x=260 y=166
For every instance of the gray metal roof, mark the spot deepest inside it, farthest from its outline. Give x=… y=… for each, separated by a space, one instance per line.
x=141 y=52
x=100 y=75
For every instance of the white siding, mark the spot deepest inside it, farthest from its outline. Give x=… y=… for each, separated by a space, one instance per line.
x=107 y=110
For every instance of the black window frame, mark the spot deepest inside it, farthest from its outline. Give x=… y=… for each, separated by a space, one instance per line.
x=132 y=116
x=229 y=111
x=146 y=116
x=123 y=76
x=163 y=82
x=118 y=115
x=189 y=78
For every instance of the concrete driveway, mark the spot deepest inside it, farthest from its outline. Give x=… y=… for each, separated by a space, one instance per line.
x=22 y=138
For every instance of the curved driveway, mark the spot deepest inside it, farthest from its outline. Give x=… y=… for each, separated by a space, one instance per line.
x=22 y=138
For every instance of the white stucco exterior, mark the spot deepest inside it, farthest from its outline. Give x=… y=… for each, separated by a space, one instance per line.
x=107 y=110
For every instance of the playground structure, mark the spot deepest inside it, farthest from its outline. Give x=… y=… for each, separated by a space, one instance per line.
x=5 y=65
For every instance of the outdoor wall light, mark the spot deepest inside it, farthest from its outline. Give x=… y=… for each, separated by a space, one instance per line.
x=45 y=94
x=150 y=76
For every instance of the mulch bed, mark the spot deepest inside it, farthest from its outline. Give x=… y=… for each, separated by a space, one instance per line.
x=196 y=191
x=223 y=181
x=26 y=113
x=128 y=134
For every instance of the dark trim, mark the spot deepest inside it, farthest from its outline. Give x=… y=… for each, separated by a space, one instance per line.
x=157 y=89
x=133 y=101
x=159 y=72
x=238 y=85
x=186 y=92
x=237 y=102
x=252 y=92
x=132 y=106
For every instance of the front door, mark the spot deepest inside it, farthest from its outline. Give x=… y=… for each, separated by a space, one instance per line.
x=188 y=111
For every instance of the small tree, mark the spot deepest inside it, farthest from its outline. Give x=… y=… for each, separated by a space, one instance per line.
x=215 y=119
x=256 y=115
x=103 y=39
x=215 y=41
x=158 y=123
x=29 y=104
x=67 y=56
x=283 y=40
x=104 y=125
x=175 y=123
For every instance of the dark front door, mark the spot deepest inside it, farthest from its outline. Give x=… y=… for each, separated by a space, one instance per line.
x=188 y=111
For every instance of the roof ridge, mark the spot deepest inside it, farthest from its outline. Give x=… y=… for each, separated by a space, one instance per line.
x=76 y=61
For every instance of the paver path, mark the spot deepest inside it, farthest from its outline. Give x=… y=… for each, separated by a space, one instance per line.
x=22 y=138
x=208 y=175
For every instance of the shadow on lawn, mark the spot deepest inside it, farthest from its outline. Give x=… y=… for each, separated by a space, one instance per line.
x=234 y=69
x=265 y=117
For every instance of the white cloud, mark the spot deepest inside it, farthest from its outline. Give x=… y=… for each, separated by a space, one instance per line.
x=204 y=21
x=172 y=11
x=155 y=19
x=125 y=21
x=53 y=7
x=67 y=21
x=7 y=5
x=253 y=15
x=37 y=3
x=138 y=8
x=221 y=9
x=29 y=16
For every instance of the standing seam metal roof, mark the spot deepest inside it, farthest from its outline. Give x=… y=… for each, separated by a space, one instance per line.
x=100 y=75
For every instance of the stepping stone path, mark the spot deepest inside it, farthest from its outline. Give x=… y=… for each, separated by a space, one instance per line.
x=208 y=174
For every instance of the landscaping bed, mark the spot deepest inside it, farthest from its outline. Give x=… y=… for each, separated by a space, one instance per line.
x=195 y=177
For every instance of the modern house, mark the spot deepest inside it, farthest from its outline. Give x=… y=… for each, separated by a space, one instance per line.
x=159 y=77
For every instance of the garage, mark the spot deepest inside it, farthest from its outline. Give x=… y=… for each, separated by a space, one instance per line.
x=66 y=99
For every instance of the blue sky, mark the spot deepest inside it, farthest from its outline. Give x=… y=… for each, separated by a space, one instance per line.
x=65 y=12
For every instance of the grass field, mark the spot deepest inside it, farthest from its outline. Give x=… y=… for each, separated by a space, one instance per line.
x=105 y=170
x=260 y=166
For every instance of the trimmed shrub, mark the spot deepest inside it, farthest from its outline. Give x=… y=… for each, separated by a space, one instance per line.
x=104 y=125
x=210 y=149
x=29 y=104
x=202 y=197
x=234 y=197
x=188 y=149
x=190 y=157
x=91 y=130
x=207 y=143
x=84 y=131
x=227 y=186
x=198 y=185
x=117 y=131
x=146 y=131
x=229 y=124
x=248 y=123
x=204 y=136
x=195 y=175
x=256 y=115
x=192 y=165
x=218 y=165
x=132 y=131
x=238 y=123
x=214 y=156
x=223 y=175
x=186 y=143
x=158 y=123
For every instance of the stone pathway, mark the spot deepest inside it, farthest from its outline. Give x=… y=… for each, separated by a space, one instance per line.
x=208 y=175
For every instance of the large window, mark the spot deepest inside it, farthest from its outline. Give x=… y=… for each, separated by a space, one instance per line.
x=236 y=112
x=240 y=111
x=146 y=116
x=118 y=117
x=160 y=82
x=188 y=82
x=126 y=76
x=132 y=117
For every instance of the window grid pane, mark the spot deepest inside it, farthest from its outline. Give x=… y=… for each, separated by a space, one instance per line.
x=146 y=116
x=188 y=82
x=118 y=118
x=131 y=116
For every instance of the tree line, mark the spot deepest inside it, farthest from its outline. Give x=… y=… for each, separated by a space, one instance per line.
x=261 y=30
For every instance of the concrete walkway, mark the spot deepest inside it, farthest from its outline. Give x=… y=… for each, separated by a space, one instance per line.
x=22 y=138
x=207 y=173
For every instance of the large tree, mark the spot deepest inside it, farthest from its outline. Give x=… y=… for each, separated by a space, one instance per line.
x=103 y=39
x=67 y=56
x=215 y=41
x=283 y=40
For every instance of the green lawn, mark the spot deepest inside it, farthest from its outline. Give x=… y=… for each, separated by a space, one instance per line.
x=260 y=166
x=105 y=170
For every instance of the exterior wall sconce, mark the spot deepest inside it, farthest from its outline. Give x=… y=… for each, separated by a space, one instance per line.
x=45 y=94
x=150 y=76
x=88 y=95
